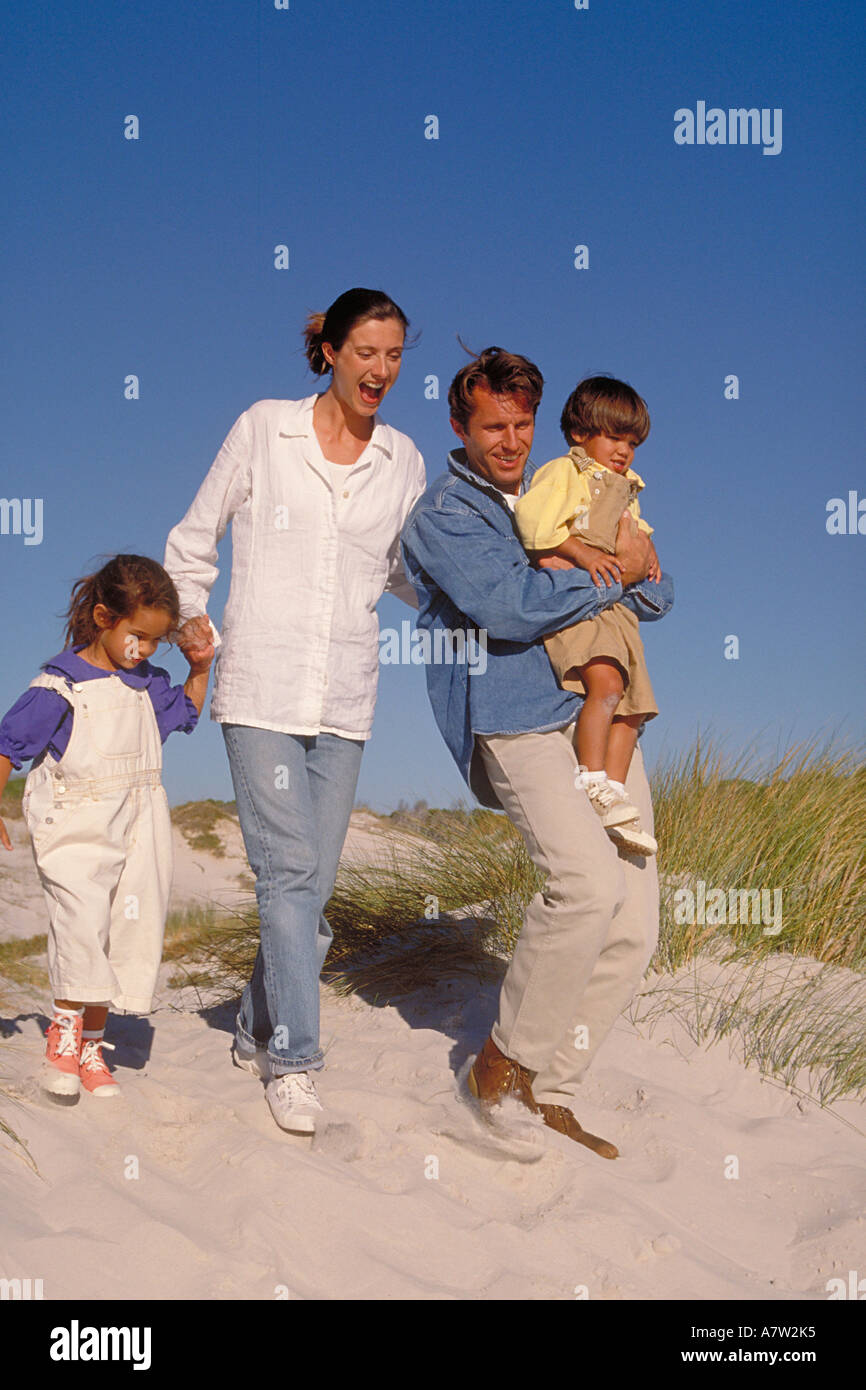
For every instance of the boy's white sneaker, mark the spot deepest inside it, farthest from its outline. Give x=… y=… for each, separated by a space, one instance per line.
x=632 y=838
x=251 y=1059
x=619 y=817
x=294 y=1102
x=612 y=807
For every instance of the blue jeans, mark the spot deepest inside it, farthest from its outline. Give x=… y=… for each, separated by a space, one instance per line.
x=294 y=796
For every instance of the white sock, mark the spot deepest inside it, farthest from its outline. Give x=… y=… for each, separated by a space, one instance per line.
x=617 y=786
x=70 y=1013
x=93 y=1033
x=594 y=776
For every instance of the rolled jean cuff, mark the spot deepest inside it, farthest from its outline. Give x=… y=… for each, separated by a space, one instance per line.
x=314 y=1063
x=286 y=1064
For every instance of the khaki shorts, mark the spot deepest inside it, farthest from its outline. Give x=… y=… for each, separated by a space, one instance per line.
x=614 y=634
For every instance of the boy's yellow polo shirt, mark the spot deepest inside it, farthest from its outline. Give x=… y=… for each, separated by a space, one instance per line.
x=558 y=500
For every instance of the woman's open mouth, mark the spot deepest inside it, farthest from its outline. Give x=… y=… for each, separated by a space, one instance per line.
x=371 y=394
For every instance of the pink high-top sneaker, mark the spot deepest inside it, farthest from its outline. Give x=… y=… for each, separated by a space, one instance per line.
x=60 y=1068
x=95 y=1076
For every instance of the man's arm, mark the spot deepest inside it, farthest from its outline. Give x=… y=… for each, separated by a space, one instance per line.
x=397 y=583
x=648 y=598
x=488 y=577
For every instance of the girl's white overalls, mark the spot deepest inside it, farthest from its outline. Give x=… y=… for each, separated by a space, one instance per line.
x=101 y=834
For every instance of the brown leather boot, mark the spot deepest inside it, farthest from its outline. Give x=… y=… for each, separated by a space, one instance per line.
x=560 y=1118
x=493 y=1076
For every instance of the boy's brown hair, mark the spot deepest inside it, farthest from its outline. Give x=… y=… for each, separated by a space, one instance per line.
x=603 y=405
x=502 y=373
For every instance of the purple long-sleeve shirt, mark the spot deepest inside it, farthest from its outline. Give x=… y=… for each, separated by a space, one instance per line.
x=41 y=719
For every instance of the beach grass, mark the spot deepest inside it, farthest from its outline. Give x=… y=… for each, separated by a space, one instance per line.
x=10 y=799
x=786 y=833
x=198 y=820
x=792 y=829
x=448 y=890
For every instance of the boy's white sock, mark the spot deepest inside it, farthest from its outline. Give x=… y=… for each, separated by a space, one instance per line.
x=92 y=1033
x=70 y=1013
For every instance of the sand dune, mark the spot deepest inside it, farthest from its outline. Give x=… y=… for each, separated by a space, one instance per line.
x=185 y=1188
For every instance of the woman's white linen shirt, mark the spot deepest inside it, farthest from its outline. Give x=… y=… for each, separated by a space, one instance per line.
x=299 y=648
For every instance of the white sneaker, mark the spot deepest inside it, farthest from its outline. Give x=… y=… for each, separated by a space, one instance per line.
x=251 y=1059
x=632 y=838
x=293 y=1101
x=613 y=808
x=619 y=817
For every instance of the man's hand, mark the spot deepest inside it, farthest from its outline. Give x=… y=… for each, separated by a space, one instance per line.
x=634 y=551
x=655 y=570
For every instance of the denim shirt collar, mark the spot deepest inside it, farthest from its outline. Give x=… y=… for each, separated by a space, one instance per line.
x=459 y=465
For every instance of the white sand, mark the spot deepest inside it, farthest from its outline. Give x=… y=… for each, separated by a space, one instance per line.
x=225 y=1205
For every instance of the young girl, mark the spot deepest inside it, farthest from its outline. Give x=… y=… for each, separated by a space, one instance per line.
x=572 y=509
x=94 y=722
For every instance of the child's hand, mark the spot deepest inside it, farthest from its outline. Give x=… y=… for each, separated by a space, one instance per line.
x=554 y=562
x=573 y=553
x=4 y=837
x=603 y=569
x=195 y=640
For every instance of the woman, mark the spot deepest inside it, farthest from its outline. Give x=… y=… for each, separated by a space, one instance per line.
x=317 y=491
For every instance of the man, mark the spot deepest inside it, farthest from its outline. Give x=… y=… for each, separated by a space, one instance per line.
x=589 y=933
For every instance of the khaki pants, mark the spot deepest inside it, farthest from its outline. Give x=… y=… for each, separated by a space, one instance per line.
x=588 y=935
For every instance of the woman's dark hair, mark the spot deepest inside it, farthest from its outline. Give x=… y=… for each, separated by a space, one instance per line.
x=604 y=405
x=334 y=327
x=123 y=584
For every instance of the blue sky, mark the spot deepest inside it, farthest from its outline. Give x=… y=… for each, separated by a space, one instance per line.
x=556 y=129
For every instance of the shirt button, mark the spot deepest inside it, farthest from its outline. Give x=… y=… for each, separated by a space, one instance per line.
x=345 y=494
x=49 y=820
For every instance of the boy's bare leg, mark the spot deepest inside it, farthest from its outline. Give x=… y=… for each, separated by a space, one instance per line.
x=604 y=689
x=621 y=743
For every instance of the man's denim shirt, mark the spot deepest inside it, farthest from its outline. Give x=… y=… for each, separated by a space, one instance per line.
x=464 y=558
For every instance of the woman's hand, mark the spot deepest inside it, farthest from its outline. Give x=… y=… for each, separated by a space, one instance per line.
x=195 y=640
x=4 y=837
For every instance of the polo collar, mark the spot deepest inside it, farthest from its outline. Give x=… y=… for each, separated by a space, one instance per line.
x=296 y=422
x=69 y=663
x=585 y=462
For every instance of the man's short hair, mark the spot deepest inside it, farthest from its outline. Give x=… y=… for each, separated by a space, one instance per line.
x=502 y=373
x=603 y=405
